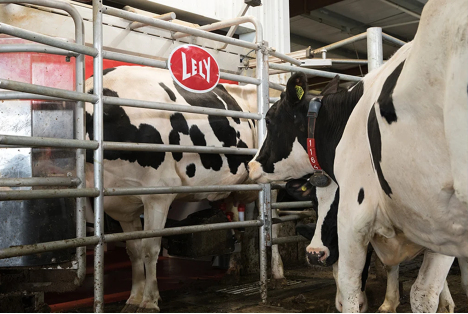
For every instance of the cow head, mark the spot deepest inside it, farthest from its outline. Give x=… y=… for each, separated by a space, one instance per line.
x=283 y=154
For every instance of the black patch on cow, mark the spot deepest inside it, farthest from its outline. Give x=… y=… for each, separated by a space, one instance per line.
x=190 y=171
x=118 y=128
x=179 y=125
x=387 y=109
x=375 y=141
x=171 y=94
x=331 y=122
x=221 y=127
x=330 y=230
x=209 y=161
x=105 y=71
x=360 y=197
x=238 y=134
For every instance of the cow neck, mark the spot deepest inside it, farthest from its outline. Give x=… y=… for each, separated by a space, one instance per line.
x=331 y=122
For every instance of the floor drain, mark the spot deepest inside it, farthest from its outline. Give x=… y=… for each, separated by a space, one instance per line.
x=251 y=288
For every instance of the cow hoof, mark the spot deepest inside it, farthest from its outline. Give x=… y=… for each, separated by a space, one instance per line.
x=277 y=283
x=130 y=308
x=314 y=258
x=383 y=309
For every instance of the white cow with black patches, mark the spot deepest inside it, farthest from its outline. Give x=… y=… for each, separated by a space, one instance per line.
x=139 y=169
x=401 y=161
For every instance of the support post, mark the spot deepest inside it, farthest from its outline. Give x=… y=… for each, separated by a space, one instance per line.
x=374 y=47
x=263 y=105
x=98 y=160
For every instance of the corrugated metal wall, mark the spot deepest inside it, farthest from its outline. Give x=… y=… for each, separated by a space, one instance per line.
x=273 y=14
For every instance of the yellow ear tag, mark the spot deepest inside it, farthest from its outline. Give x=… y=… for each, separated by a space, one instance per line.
x=299 y=92
x=303 y=188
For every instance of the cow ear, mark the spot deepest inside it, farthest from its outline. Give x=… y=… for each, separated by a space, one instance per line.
x=296 y=88
x=332 y=87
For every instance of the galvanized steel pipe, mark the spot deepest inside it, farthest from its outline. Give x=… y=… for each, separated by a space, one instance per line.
x=178 y=148
x=327 y=74
x=46 y=142
x=374 y=48
x=47 y=91
x=40 y=181
x=290 y=239
x=180 y=108
x=180 y=189
x=341 y=43
x=292 y=204
x=13 y=195
x=178 y=28
x=47 y=40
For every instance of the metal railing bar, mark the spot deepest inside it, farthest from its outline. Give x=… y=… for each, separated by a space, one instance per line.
x=393 y=39
x=180 y=189
x=40 y=181
x=180 y=230
x=273 y=99
x=284 y=57
x=46 y=142
x=223 y=24
x=93 y=240
x=239 y=78
x=12 y=195
x=340 y=43
x=134 y=59
x=349 y=61
x=276 y=86
x=37 y=48
x=292 y=204
x=47 y=91
x=180 y=108
x=287 y=218
x=302 y=213
x=177 y=148
x=47 y=40
x=326 y=74
x=179 y=28
x=290 y=239
x=21 y=95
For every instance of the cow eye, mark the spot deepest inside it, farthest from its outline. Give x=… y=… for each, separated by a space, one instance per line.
x=267 y=121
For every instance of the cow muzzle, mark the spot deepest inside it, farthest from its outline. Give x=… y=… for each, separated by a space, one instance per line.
x=316 y=257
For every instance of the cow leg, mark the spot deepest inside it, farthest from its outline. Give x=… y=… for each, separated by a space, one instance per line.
x=134 y=251
x=354 y=225
x=277 y=272
x=338 y=300
x=156 y=209
x=446 y=304
x=428 y=286
x=463 y=263
x=392 y=295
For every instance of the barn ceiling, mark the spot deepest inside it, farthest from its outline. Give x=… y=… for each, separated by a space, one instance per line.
x=316 y=23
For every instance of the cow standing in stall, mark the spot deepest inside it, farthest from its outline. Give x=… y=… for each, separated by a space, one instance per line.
x=138 y=169
x=394 y=89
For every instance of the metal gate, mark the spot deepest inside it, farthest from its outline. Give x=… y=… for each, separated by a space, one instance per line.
x=78 y=50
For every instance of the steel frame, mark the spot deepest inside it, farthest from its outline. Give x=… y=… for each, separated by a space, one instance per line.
x=78 y=50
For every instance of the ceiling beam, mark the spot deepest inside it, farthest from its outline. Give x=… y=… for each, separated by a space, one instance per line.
x=341 y=22
x=298 y=7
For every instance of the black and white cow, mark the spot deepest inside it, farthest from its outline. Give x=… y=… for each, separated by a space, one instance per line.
x=138 y=169
x=402 y=220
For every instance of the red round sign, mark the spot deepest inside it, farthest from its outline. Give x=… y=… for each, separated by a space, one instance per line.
x=194 y=68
